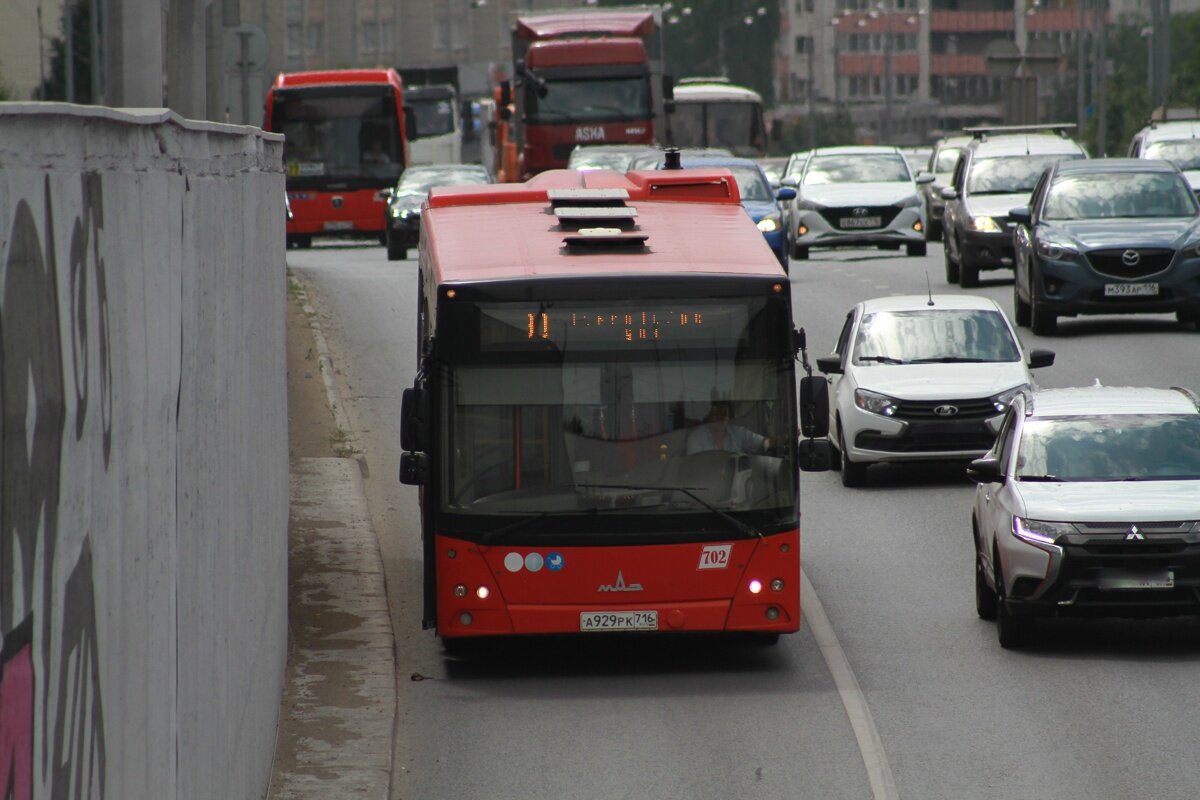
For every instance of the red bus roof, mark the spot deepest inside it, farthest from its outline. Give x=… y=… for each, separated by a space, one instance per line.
x=693 y=221
x=585 y=52
x=596 y=23
x=336 y=76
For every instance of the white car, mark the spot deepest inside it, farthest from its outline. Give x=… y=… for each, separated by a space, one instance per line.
x=1088 y=503
x=858 y=196
x=922 y=378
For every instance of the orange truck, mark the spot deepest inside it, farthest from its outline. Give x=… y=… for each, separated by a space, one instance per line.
x=581 y=76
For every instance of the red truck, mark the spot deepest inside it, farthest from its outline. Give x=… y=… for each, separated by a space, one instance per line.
x=581 y=77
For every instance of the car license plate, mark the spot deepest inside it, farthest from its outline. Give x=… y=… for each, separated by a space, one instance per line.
x=1123 y=579
x=860 y=222
x=340 y=225
x=618 y=621
x=1130 y=289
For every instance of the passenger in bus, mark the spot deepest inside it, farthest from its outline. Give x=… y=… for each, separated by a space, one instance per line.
x=375 y=153
x=716 y=433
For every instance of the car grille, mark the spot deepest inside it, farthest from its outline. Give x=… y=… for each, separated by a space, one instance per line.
x=976 y=408
x=931 y=437
x=834 y=216
x=1112 y=262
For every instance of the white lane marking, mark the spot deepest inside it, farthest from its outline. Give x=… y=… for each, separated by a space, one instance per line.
x=870 y=746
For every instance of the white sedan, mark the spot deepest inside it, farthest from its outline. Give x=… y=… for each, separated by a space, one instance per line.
x=922 y=378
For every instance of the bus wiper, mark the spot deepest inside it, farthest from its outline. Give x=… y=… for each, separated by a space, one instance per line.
x=746 y=530
x=524 y=522
x=512 y=527
x=882 y=359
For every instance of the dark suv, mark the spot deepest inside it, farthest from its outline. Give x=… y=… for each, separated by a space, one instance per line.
x=996 y=172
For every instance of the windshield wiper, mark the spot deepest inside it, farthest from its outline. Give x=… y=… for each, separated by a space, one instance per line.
x=882 y=359
x=1041 y=478
x=511 y=527
x=748 y=531
x=948 y=360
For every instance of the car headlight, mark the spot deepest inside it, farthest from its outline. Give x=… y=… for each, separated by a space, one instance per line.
x=1055 y=251
x=910 y=202
x=985 y=224
x=1002 y=400
x=769 y=223
x=875 y=403
x=1040 y=532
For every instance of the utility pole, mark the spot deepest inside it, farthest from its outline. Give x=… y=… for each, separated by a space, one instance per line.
x=885 y=130
x=812 y=118
x=1100 y=70
x=1081 y=68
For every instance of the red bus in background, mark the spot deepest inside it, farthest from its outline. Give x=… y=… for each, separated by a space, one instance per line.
x=604 y=420
x=345 y=146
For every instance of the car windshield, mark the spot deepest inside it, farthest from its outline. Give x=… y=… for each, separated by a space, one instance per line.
x=1011 y=174
x=856 y=168
x=1106 y=195
x=421 y=181
x=934 y=336
x=751 y=184
x=1185 y=153
x=947 y=158
x=618 y=160
x=1111 y=448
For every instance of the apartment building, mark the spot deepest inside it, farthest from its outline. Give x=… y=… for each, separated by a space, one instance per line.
x=907 y=70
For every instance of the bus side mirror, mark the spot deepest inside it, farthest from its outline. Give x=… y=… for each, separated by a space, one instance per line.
x=815 y=455
x=410 y=123
x=414 y=420
x=413 y=468
x=505 y=93
x=814 y=406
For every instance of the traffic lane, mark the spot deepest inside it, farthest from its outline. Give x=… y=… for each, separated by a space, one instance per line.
x=893 y=564
x=697 y=733
x=694 y=717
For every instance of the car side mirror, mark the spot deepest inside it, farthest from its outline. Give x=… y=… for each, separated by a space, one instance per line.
x=790 y=180
x=985 y=470
x=949 y=193
x=1040 y=358
x=830 y=365
x=786 y=193
x=1022 y=215
x=814 y=406
x=925 y=178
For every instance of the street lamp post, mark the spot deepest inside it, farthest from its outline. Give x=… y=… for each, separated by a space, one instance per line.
x=747 y=20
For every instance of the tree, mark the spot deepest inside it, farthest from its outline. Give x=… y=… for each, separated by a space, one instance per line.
x=55 y=85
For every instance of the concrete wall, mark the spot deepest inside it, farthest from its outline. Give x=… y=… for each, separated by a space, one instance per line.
x=144 y=481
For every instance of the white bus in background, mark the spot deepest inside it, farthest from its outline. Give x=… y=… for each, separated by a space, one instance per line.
x=712 y=112
x=438 y=135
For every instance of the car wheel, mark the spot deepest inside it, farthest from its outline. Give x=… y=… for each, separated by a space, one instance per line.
x=1041 y=320
x=853 y=473
x=985 y=596
x=394 y=251
x=951 y=266
x=799 y=253
x=1189 y=317
x=304 y=241
x=1013 y=629
x=968 y=274
x=934 y=232
x=1021 y=311
x=917 y=249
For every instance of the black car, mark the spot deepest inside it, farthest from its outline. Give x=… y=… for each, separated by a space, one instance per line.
x=1108 y=236
x=995 y=172
x=402 y=219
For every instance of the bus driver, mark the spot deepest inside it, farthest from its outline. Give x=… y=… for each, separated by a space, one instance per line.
x=717 y=434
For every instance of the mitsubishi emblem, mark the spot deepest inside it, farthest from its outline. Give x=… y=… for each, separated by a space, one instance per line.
x=620 y=585
x=1134 y=535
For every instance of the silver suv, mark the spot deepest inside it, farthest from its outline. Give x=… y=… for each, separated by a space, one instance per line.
x=1176 y=141
x=1088 y=503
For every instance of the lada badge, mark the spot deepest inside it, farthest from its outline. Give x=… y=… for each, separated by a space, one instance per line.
x=946 y=410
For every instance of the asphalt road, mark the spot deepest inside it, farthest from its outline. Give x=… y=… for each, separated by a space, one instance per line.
x=1097 y=709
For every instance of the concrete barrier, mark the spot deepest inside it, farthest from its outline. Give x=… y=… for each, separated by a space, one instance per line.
x=144 y=480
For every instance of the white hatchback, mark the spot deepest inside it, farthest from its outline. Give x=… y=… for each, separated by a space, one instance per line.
x=920 y=378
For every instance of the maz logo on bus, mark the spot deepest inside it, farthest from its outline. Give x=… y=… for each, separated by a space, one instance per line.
x=715 y=556
x=589 y=133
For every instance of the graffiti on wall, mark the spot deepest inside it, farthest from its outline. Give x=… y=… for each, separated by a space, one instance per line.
x=51 y=735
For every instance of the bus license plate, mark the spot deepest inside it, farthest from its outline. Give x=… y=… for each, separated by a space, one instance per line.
x=340 y=225
x=860 y=222
x=1130 y=289
x=618 y=621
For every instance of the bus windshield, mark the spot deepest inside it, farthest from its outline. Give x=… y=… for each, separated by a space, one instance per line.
x=345 y=135
x=652 y=412
x=434 y=115
x=736 y=126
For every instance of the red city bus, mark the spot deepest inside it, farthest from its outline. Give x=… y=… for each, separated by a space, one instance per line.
x=604 y=419
x=345 y=147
